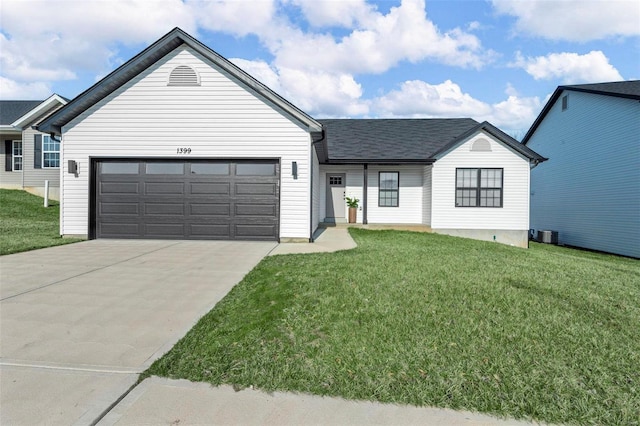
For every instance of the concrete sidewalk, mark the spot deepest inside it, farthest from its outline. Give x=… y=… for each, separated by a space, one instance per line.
x=179 y=402
x=325 y=240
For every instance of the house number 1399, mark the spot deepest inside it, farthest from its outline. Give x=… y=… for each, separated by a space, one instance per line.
x=183 y=150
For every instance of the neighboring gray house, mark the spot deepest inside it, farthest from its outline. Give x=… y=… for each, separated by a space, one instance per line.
x=180 y=143
x=589 y=190
x=30 y=157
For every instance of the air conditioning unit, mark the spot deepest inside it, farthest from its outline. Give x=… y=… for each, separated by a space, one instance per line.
x=548 y=237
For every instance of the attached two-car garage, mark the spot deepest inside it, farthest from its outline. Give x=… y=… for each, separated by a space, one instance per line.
x=185 y=199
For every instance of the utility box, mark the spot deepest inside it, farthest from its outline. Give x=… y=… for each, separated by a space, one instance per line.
x=548 y=237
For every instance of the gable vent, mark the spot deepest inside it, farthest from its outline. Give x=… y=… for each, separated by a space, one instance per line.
x=183 y=75
x=481 y=145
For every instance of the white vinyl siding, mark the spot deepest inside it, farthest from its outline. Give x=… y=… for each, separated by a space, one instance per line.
x=426 y=196
x=36 y=177
x=514 y=214
x=589 y=190
x=218 y=119
x=409 y=210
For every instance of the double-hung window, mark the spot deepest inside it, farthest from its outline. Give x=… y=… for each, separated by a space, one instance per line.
x=50 y=152
x=479 y=187
x=16 y=157
x=389 y=183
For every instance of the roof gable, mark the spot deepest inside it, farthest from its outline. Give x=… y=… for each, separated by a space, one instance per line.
x=498 y=135
x=39 y=111
x=621 y=89
x=151 y=55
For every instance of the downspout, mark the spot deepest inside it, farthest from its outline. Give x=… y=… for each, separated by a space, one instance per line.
x=364 y=194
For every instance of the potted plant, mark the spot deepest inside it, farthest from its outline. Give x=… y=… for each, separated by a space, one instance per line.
x=352 y=203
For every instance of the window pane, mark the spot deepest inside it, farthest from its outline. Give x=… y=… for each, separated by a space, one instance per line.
x=165 y=168
x=389 y=180
x=210 y=168
x=17 y=163
x=255 y=169
x=17 y=148
x=51 y=159
x=119 y=168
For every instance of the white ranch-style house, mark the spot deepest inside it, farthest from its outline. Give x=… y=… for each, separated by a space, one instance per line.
x=180 y=143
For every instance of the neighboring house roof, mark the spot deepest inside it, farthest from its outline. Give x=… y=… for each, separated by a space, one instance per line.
x=621 y=89
x=404 y=141
x=152 y=54
x=10 y=111
x=40 y=111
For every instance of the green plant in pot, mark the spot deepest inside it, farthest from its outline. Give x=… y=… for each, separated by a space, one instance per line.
x=353 y=204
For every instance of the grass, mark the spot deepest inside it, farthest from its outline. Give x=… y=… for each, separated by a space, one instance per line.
x=25 y=224
x=549 y=333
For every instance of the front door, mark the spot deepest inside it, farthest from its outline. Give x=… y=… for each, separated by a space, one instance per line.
x=335 y=197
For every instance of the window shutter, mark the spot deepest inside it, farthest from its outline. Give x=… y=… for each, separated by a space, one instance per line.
x=37 y=151
x=8 y=156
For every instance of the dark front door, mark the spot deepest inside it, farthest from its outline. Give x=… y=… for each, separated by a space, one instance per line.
x=196 y=199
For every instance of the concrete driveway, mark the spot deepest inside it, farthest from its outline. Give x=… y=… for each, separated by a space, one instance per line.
x=78 y=323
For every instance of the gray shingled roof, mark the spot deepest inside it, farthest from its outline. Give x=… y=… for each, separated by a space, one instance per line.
x=630 y=89
x=622 y=89
x=10 y=111
x=389 y=140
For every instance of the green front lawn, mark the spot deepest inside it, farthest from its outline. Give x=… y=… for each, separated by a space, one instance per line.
x=25 y=224
x=549 y=333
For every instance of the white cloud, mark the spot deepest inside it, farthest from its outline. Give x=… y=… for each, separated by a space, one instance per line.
x=417 y=99
x=49 y=41
x=571 y=68
x=318 y=93
x=13 y=90
x=420 y=99
x=381 y=43
x=573 y=20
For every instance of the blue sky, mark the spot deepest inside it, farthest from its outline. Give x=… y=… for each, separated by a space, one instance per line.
x=490 y=60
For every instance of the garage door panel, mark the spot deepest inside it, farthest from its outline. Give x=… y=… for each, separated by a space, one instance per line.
x=164 y=229
x=254 y=231
x=222 y=188
x=116 y=188
x=256 y=189
x=164 y=209
x=164 y=188
x=207 y=209
x=209 y=201
x=256 y=210
x=209 y=230
x=120 y=209
x=119 y=229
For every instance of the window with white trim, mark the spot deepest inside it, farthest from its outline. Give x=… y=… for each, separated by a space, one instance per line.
x=16 y=157
x=388 y=188
x=479 y=187
x=50 y=152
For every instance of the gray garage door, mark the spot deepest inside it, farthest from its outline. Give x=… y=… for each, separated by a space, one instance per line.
x=187 y=199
